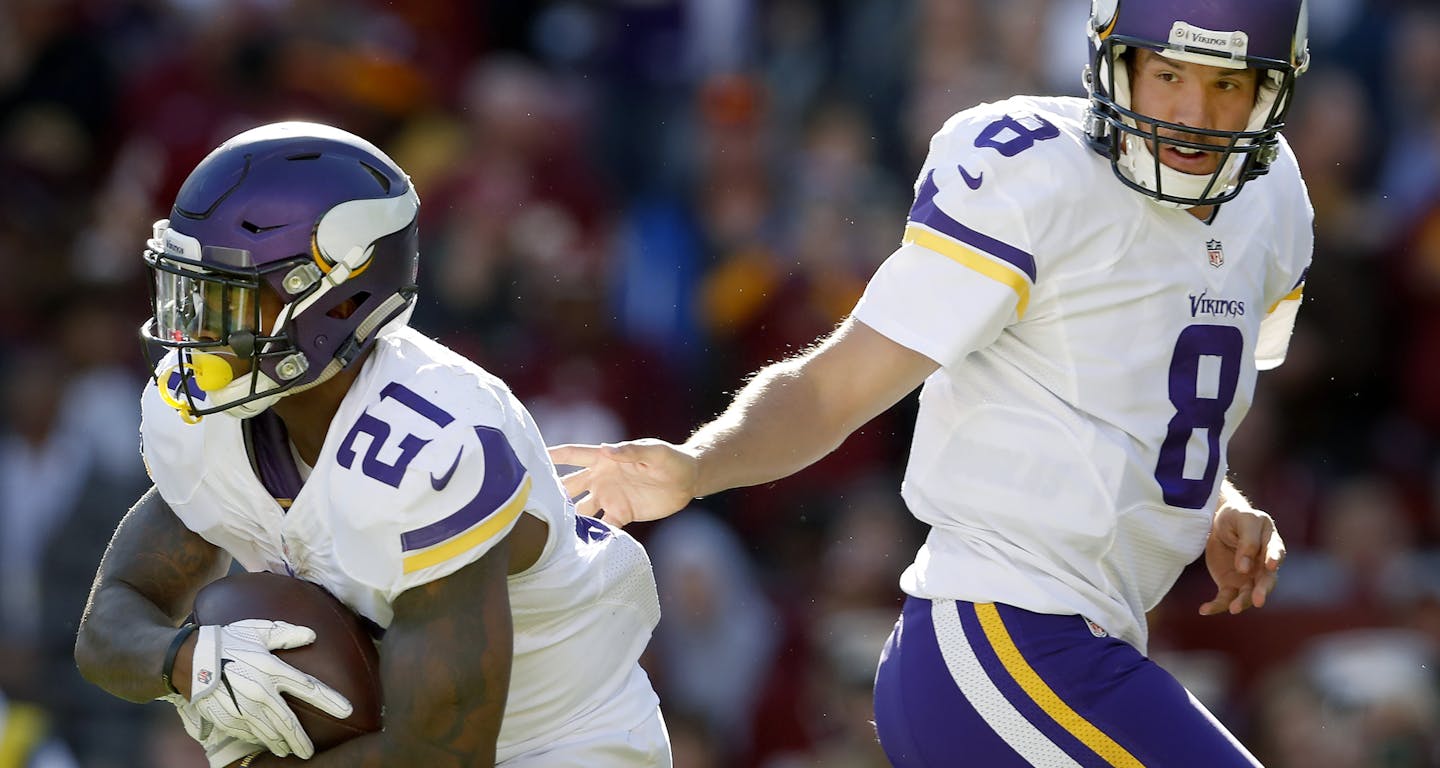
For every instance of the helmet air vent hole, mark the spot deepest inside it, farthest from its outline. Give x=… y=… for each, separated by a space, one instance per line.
x=348 y=307
x=380 y=177
x=303 y=156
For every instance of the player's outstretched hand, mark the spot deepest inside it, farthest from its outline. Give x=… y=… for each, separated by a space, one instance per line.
x=236 y=684
x=1243 y=554
x=637 y=480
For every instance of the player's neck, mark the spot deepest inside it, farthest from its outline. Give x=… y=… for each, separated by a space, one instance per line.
x=307 y=415
x=1205 y=213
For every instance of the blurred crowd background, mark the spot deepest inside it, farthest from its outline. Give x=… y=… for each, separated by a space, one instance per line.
x=629 y=205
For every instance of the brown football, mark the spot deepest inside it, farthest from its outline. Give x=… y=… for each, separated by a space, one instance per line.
x=343 y=655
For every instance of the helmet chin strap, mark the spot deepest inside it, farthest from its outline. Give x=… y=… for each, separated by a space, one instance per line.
x=1139 y=163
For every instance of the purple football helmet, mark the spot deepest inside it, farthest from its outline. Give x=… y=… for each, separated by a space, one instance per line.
x=314 y=222
x=1268 y=35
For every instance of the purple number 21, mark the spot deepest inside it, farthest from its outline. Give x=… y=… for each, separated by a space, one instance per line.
x=379 y=432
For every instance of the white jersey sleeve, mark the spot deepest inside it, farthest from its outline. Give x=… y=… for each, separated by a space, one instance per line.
x=966 y=269
x=1286 y=287
x=451 y=486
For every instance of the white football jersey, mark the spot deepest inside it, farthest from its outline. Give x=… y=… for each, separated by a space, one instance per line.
x=428 y=463
x=1096 y=353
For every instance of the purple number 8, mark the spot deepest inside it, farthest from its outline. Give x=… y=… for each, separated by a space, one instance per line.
x=1193 y=411
x=1024 y=135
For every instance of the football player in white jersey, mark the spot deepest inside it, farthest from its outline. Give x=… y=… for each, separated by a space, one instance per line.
x=1086 y=310
x=298 y=425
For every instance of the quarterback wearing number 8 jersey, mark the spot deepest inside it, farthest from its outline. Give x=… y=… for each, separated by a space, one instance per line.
x=1086 y=289
x=1092 y=368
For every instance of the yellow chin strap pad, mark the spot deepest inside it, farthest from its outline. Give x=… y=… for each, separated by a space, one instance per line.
x=211 y=372
x=180 y=407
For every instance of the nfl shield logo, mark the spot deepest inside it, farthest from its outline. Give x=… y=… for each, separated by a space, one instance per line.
x=1217 y=253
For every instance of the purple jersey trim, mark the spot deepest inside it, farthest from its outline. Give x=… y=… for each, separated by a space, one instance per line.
x=926 y=212
x=270 y=450
x=503 y=475
x=1301 y=281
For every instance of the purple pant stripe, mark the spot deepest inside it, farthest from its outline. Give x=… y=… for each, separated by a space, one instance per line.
x=1121 y=692
x=925 y=722
x=921 y=717
x=1017 y=696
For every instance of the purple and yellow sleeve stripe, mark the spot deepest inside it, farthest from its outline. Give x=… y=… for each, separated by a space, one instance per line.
x=1294 y=294
x=503 y=495
x=934 y=229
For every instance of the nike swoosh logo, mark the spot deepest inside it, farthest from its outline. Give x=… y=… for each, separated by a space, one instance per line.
x=439 y=483
x=226 y=680
x=972 y=182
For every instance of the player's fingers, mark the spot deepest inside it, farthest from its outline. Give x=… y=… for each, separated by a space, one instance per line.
x=228 y=727
x=245 y=684
x=1274 y=551
x=1219 y=603
x=251 y=727
x=316 y=694
x=617 y=515
x=1249 y=531
x=1241 y=600
x=574 y=454
x=587 y=506
x=291 y=737
x=577 y=483
x=295 y=736
x=282 y=635
x=270 y=715
x=633 y=451
x=1264 y=585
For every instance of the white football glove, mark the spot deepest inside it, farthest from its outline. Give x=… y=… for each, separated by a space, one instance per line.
x=220 y=750
x=236 y=684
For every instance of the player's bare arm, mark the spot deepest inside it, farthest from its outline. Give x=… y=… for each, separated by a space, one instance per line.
x=795 y=412
x=445 y=672
x=1243 y=554
x=143 y=590
x=787 y=417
